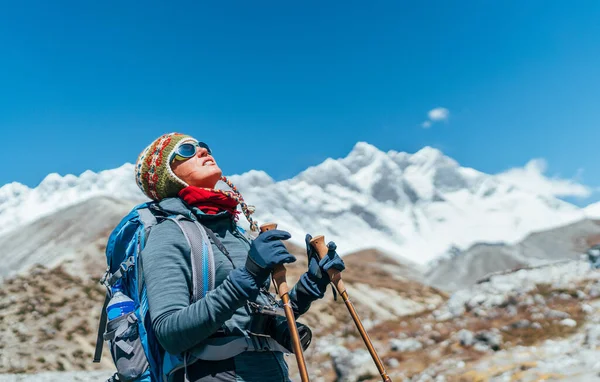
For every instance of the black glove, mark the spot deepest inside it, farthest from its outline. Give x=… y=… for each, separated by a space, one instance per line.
x=316 y=278
x=267 y=251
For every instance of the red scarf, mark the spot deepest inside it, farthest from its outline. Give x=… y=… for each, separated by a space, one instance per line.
x=208 y=201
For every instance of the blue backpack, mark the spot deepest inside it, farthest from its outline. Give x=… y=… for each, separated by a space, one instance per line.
x=133 y=345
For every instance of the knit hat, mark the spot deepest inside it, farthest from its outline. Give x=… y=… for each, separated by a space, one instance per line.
x=153 y=173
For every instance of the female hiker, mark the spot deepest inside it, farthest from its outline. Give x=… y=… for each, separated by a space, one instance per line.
x=225 y=335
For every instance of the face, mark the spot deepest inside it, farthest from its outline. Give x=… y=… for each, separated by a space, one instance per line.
x=201 y=170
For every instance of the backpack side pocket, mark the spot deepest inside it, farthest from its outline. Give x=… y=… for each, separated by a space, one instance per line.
x=123 y=338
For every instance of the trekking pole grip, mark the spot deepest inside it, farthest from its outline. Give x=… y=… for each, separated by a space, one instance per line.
x=279 y=274
x=318 y=243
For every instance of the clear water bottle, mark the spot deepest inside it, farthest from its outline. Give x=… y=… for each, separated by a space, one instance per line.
x=119 y=304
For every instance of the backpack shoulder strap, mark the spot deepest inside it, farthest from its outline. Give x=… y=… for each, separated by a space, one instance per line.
x=202 y=256
x=147 y=218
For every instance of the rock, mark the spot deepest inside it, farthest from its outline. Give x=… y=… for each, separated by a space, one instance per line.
x=466 y=337
x=444 y=316
x=564 y=296
x=534 y=309
x=349 y=366
x=490 y=339
x=592 y=336
x=594 y=291
x=527 y=301
x=521 y=324
x=393 y=363
x=581 y=295
x=435 y=335
x=538 y=316
x=539 y=299
x=512 y=310
x=569 y=322
x=456 y=304
x=481 y=347
x=587 y=308
x=536 y=325
x=406 y=345
x=556 y=314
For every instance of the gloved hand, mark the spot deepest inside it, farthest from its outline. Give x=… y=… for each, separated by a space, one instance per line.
x=316 y=278
x=266 y=251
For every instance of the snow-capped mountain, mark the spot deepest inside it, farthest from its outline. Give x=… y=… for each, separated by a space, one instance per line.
x=412 y=205
x=415 y=206
x=20 y=204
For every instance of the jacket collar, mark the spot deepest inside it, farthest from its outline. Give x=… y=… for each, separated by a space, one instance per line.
x=176 y=206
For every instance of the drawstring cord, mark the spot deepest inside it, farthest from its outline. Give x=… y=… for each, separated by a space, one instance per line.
x=246 y=209
x=237 y=196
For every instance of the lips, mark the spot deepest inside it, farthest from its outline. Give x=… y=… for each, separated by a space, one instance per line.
x=208 y=162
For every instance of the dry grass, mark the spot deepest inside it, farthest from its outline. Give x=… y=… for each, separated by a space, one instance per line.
x=49 y=309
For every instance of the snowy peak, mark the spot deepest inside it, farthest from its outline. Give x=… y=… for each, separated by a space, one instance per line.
x=413 y=205
x=431 y=158
x=20 y=204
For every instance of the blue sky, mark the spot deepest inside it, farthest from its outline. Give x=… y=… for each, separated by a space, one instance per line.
x=280 y=86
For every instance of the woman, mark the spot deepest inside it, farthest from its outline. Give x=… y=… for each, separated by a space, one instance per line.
x=180 y=167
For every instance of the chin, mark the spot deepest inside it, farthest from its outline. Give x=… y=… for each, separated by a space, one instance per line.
x=210 y=179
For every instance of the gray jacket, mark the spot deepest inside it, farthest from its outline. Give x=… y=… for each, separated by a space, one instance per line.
x=181 y=326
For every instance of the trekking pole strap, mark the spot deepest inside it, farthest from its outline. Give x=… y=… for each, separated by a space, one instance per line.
x=101 y=329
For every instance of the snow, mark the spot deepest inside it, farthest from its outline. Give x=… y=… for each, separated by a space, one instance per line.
x=20 y=204
x=414 y=206
x=593 y=210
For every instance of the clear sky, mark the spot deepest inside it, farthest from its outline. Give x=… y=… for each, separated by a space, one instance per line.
x=279 y=86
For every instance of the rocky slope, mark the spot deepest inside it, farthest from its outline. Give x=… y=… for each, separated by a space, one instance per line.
x=529 y=325
x=463 y=268
x=539 y=324
x=65 y=236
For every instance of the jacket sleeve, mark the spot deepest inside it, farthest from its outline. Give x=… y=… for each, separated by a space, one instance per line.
x=302 y=296
x=180 y=325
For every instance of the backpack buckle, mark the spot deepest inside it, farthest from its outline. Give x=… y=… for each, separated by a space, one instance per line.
x=105 y=276
x=266 y=309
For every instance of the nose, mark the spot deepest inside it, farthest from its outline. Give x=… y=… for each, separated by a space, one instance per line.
x=201 y=151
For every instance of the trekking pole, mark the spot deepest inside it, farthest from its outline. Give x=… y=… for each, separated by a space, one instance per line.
x=336 y=279
x=283 y=290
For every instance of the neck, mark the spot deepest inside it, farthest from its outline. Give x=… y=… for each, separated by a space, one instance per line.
x=209 y=201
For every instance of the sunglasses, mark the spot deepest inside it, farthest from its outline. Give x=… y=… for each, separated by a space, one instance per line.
x=188 y=150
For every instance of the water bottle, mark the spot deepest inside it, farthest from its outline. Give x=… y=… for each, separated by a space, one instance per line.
x=119 y=304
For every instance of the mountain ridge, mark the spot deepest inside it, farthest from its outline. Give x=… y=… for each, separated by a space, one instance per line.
x=413 y=205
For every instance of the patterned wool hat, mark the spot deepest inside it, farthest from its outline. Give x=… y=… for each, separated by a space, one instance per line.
x=153 y=173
